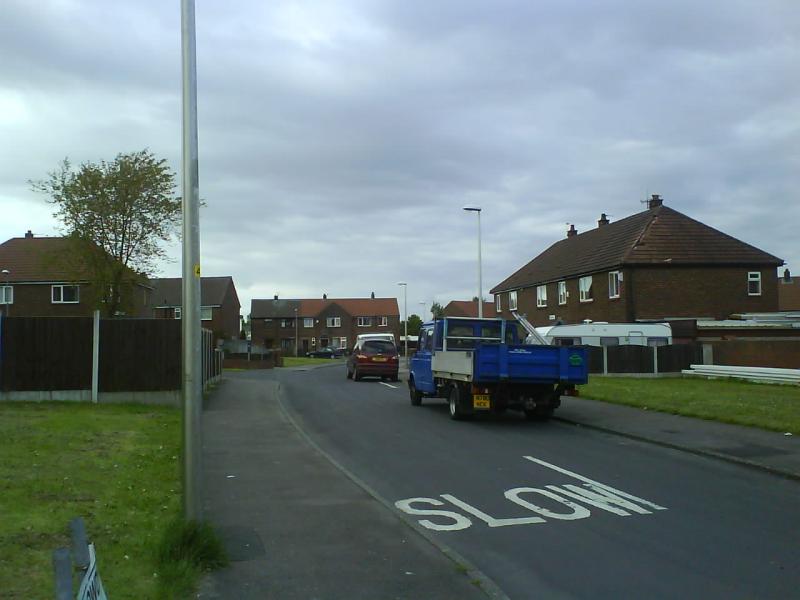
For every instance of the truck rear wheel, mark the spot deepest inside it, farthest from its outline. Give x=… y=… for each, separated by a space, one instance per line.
x=416 y=395
x=454 y=401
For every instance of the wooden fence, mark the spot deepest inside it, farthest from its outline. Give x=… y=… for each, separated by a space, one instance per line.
x=644 y=359
x=51 y=354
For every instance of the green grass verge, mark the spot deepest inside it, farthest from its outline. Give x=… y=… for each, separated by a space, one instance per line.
x=768 y=406
x=117 y=466
x=299 y=361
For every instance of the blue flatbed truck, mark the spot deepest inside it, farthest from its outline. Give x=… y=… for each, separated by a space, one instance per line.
x=480 y=365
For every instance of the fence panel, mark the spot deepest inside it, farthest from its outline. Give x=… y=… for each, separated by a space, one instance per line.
x=595 y=355
x=46 y=353
x=675 y=358
x=140 y=355
x=630 y=359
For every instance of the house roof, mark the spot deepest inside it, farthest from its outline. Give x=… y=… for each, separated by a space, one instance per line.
x=311 y=307
x=658 y=236
x=467 y=308
x=789 y=294
x=167 y=291
x=33 y=259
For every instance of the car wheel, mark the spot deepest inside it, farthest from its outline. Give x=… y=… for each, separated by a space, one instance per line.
x=457 y=412
x=356 y=375
x=394 y=378
x=416 y=396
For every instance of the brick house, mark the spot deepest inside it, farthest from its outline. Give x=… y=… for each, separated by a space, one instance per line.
x=318 y=323
x=44 y=276
x=658 y=264
x=219 y=303
x=468 y=308
x=788 y=292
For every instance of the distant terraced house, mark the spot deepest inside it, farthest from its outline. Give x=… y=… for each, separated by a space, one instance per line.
x=658 y=264
x=314 y=323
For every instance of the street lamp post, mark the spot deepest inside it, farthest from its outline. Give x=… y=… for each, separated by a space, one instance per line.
x=477 y=209
x=295 y=333
x=7 y=273
x=405 y=321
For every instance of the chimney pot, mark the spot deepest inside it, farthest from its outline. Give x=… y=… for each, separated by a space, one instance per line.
x=603 y=220
x=275 y=297
x=654 y=201
x=572 y=231
x=373 y=295
x=324 y=296
x=28 y=234
x=787 y=276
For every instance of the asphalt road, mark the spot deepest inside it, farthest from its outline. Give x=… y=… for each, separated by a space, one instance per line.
x=624 y=520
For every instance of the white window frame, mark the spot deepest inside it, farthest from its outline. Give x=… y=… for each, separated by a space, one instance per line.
x=754 y=277
x=541 y=296
x=512 y=300
x=585 y=288
x=614 y=284
x=206 y=313
x=177 y=312
x=383 y=321
x=498 y=303
x=562 y=293
x=7 y=294
x=308 y=322
x=60 y=287
x=334 y=321
x=364 y=321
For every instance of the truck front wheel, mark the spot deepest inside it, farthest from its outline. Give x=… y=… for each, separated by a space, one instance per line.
x=457 y=412
x=416 y=395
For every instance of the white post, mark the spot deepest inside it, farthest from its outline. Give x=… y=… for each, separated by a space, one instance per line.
x=96 y=357
x=480 y=275
x=192 y=339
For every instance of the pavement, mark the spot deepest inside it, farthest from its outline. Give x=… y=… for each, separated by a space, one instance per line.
x=296 y=525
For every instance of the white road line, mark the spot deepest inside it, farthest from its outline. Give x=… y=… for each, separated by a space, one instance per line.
x=394 y=387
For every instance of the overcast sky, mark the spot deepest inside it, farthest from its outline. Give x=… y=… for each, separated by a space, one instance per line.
x=339 y=140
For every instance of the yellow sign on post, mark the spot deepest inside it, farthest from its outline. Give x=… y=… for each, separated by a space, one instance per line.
x=197 y=270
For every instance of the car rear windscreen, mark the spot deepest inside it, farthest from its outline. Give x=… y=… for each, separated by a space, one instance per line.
x=378 y=347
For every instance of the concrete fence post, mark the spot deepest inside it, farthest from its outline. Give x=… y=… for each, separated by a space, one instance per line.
x=708 y=354
x=96 y=357
x=655 y=360
x=605 y=360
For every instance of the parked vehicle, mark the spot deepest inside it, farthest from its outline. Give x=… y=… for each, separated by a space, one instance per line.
x=608 y=334
x=373 y=358
x=326 y=352
x=480 y=365
x=389 y=337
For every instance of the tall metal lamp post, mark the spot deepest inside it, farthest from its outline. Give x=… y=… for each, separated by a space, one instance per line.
x=7 y=273
x=405 y=320
x=477 y=209
x=295 y=333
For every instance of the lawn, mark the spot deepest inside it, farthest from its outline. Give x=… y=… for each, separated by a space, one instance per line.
x=768 y=406
x=117 y=466
x=300 y=361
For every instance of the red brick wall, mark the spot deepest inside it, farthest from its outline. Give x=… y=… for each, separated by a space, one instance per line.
x=782 y=354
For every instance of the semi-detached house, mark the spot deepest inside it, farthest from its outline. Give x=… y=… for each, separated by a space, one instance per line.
x=319 y=323
x=658 y=264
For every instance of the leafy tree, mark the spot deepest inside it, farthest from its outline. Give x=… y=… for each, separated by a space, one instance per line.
x=116 y=215
x=414 y=323
x=437 y=310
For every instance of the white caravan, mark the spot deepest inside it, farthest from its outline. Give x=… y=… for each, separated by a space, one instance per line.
x=599 y=333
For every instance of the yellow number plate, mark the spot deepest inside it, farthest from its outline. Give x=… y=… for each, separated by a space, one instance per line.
x=379 y=359
x=481 y=401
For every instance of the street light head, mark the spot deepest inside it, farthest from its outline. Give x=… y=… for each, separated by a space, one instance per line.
x=401 y=283
x=472 y=208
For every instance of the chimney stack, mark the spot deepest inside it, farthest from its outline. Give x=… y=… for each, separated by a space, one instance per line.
x=373 y=295
x=654 y=201
x=787 y=276
x=572 y=231
x=28 y=234
x=275 y=297
x=324 y=296
x=603 y=220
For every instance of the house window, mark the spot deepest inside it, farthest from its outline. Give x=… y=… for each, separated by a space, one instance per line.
x=334 y=321
x=383 y=321
x=613 y=284
x=308 y=322
x=267 y=320
x=498 y=306
x=754 y=283
x=342 y=342
x=541 y=296
x=65 y=294
x=206 y=314
x=585 y=288
x=176 y=312
x=562 y=292
x=364 y=321
x=286 y=322
x=512 y=300
x=7 y=294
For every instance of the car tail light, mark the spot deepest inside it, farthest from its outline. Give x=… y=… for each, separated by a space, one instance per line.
x=394 y=358
x=362 y=357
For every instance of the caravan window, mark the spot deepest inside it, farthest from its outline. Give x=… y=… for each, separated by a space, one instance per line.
x=609 y=341
x=657 y=341
x=564 y=341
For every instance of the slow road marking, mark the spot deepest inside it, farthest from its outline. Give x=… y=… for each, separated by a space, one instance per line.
x=566 y=502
